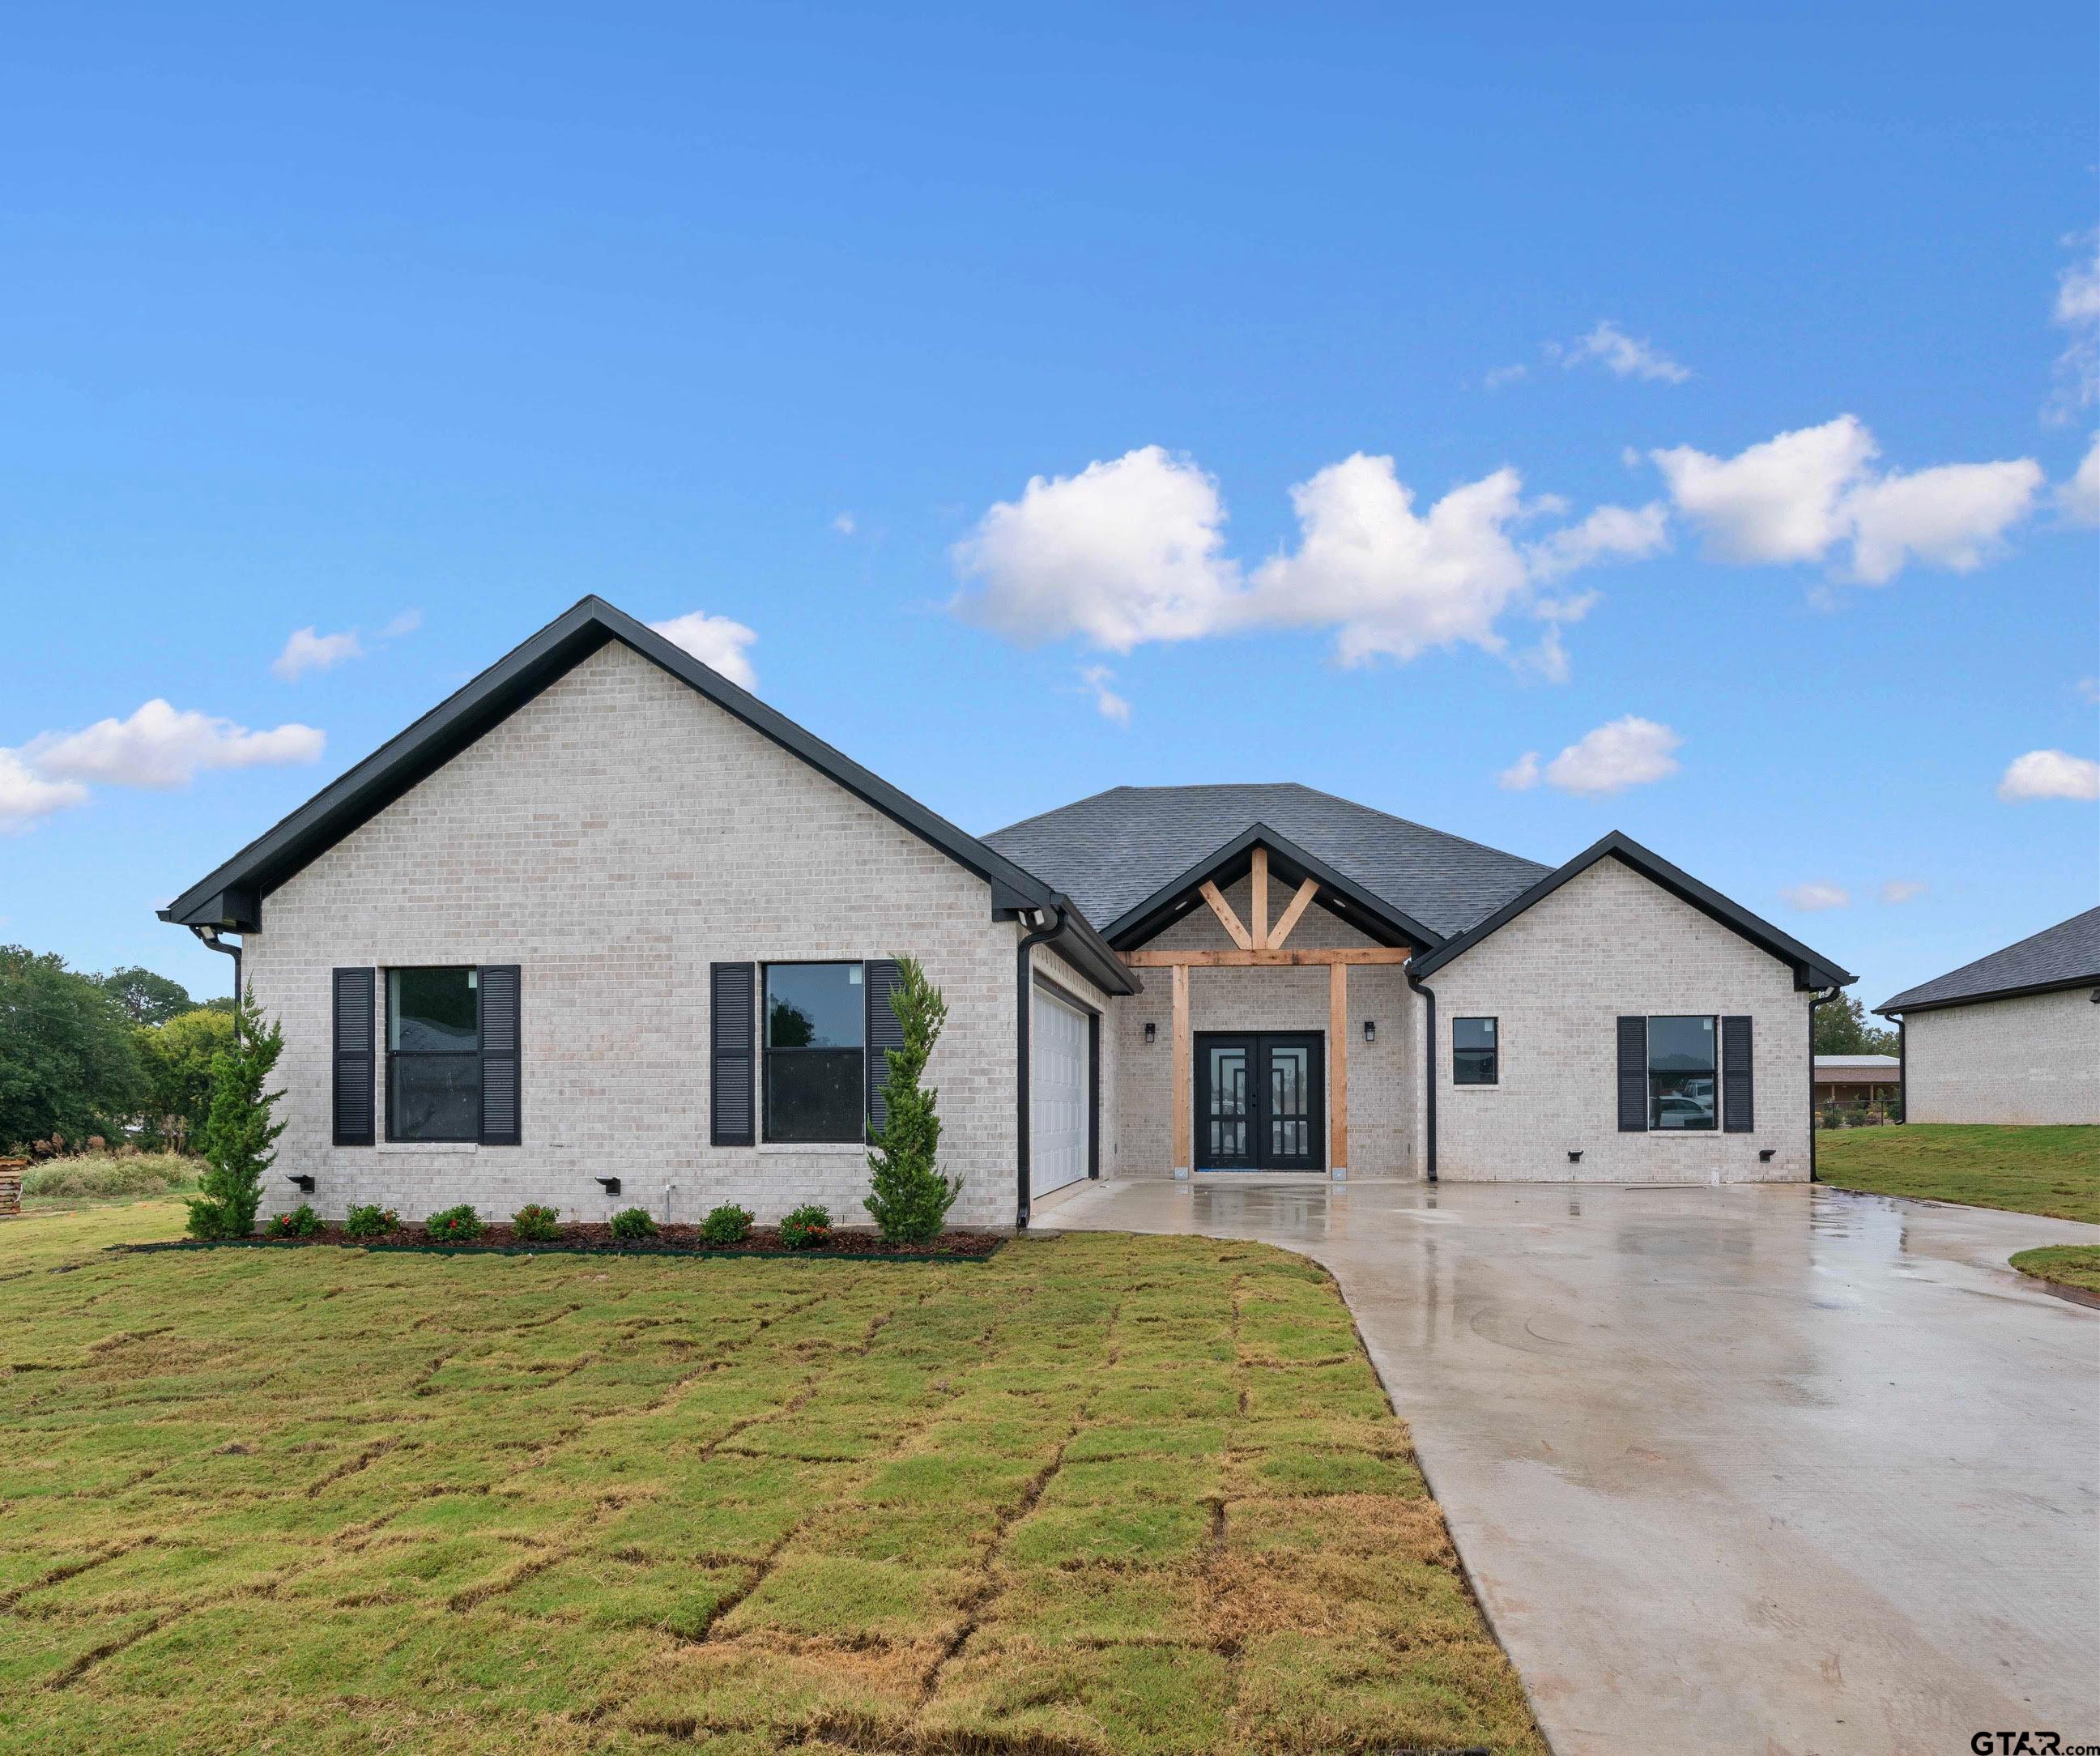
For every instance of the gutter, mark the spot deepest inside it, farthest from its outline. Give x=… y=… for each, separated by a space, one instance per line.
x=1051 y=923
x=1815 y=1000
x=208 y=937
x=1429 y=1063
x=1903 y=1072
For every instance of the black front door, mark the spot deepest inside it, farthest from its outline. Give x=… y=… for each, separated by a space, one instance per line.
x=1261 y=1101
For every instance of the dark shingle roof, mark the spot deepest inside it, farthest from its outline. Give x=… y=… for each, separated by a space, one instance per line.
x=1111 y=852
x=2066 y=955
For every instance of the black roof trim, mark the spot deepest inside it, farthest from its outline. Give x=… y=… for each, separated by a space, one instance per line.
x=397 y=765
x=1369 y=913
x=2066 y=956
x=1811 y=968
x=1900 y=1007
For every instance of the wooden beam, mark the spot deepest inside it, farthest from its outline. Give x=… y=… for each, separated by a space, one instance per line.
x=1184 y=1100
x=1258 y=898
x=1360 y=954
x=1227 y=918
x=1306 y=892
x=1338 y=1065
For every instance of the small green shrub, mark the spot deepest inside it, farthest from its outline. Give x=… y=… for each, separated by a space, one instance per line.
x=631 y=1226
x=536 y=1224
x=455 y=1225
x=806 y=1228
x=301 y=1222
x=728 y=1224
x=370 y=1221
x=907 y=1194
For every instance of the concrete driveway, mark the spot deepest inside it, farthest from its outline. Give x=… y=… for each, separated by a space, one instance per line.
x=1774 y=1469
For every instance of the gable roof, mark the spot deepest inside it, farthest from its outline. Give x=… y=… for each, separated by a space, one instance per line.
x=1811 y=968
x=2066 y=955
x=231 y=897
x=1116 y=852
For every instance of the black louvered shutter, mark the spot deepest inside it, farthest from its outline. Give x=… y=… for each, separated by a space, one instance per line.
x=501 y=1118
x=880 y=979
x=732 y=1024
x=356 y=995
x=1738 y=1109
x=1633 y=1075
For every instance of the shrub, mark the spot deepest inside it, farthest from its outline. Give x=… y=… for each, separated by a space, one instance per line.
x=727 y=1225
x=84 y=1179
x=907 y=1195
x=806 y=1228
x=301 y=1222
x=536 y=1224
x=240 y=1139
x=370 y=1221
x=461 y=1225
x=630 y=1225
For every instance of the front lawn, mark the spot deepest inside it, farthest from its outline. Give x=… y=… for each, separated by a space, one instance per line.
x=2063 y=1265
x=1102 y=1493
x=2053 y=1171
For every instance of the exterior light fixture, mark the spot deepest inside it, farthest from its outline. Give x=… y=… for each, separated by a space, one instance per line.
x=304 y=1184
x=610 y=1184
x=1151 y=1031
x=1765 y=1154
x=1370 y=1030
x=1575 y=1157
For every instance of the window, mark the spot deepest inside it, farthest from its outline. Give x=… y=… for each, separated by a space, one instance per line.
x=433 y=1055
x=1473 y=1060
x=816 y=1025
x=1681 y=1086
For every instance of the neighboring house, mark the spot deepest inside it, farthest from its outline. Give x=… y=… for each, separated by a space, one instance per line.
x=2013 y=1037
x=604 y=928
x=1857 y=1079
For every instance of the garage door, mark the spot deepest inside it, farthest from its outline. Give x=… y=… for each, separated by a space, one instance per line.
x=1057 y=1094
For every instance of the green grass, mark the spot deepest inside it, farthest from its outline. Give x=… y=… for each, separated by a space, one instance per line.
x=2064 y=1264
x=2053 y=1171
x=1101 y=1494
x=80 y=1180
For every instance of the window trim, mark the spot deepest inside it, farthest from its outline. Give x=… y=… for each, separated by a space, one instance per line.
x=1494 y=1049
x=1713 y=1019
x=393 y=1055
x=767 y=1051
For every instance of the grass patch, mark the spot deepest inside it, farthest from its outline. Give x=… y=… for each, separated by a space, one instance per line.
x=2053 y=1171
x=1100 y=1494
x=59 y=1184
x=2063 y=1265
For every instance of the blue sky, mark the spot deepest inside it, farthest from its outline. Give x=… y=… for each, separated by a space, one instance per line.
x=419 y=327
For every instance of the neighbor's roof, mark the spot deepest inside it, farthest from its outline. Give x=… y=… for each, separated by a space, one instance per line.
x=1113 y=851
x=2066 y=955
x=1865 y=1063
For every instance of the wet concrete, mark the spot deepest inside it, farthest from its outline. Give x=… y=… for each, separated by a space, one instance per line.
x=1772 y=1468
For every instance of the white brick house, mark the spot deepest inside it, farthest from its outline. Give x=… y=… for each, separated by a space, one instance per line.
x=602 y=929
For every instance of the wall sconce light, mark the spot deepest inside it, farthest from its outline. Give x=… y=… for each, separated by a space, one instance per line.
x=1370 y=1030
x=1765 y=1154
x=610 y=1184
x=1151 y=1031
x=304 y=1184
x=1575 y=1157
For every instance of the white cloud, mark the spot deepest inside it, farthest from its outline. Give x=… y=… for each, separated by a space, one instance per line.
x=2088 y=689
x=1814 y=896
x=844 y=524
x=2049 y=774
x=2078 y=311
x=1627 y=752
x=1899 y=890
x=2079 y=499
x=306 y=650
x=1110 y=705
x=1798 y=495
x=26 y=796
x=161 y=745
x=406 y=623
x=1522 y=775
x=716 y=640
x=1621 y=354
x=1495 y=379
x=1608 y=533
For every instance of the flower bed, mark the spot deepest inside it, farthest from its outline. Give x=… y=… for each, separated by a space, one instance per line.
x=598 y=1240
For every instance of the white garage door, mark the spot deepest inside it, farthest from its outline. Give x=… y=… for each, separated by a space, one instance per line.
x=1057 y=1095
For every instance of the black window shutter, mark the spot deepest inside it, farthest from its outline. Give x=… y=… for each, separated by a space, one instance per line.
x=501 y=1123
x=1633 y=1075
x=879 y=981
x=1738 y=1111
x=733 y=1039
x=356 y=995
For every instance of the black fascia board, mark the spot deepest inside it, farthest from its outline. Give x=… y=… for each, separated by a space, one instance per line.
x=1811 y=969
x=1369 y=913
x=1892 y=1010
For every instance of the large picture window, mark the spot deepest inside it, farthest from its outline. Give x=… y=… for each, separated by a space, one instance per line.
x=433 y=1055
x=816 y=1034
x=1682 y=1088
x=1474 y=1059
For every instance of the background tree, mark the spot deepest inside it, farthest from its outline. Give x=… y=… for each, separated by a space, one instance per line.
x=1841 y=1029
x=240 y=1139
x=68 y=1064
x=147 y=997
x=177 y=1058
x=909 y=1197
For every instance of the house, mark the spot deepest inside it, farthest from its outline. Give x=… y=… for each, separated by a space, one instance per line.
x=2012 y=1037
x=603 y=927
x=1863 y=1081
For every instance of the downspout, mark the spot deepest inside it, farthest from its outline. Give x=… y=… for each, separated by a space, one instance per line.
x=1903 y=1071
x=1024 y=1009
x=1429 y=1064
x=209 y=937
x=1815 y=1000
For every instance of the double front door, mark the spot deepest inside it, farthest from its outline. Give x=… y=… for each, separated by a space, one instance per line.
x=1261 y=1101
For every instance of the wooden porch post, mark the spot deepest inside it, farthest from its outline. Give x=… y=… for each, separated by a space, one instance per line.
x=1184 y=1098
x=1258 y=898
x=1338 y=1067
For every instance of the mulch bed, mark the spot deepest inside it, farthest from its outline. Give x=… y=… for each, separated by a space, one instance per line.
x=598 y=1240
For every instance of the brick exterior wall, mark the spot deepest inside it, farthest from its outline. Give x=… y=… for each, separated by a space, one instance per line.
x=2032 y=1059
x=1384 y=1138
x=1557 y=978
x=613 y=837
